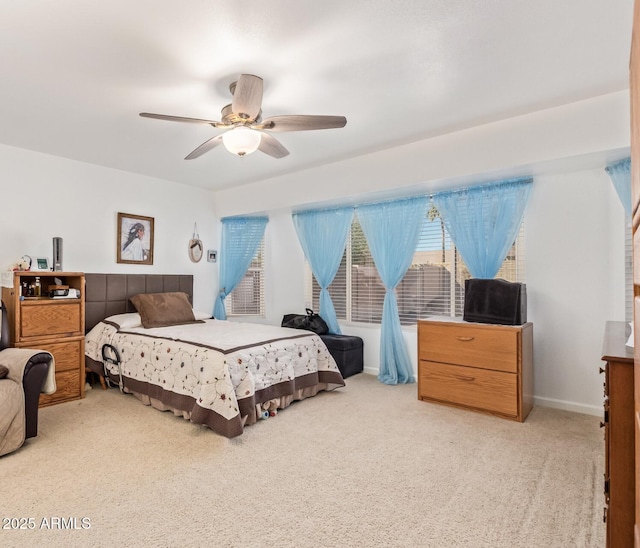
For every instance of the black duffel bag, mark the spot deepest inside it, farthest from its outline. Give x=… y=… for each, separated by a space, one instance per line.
x=311 y=322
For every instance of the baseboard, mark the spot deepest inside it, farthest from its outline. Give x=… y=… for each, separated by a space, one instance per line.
x=370 y=371
x=596 y=410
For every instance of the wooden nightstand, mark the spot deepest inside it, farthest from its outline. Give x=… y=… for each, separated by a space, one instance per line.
x=52 y=324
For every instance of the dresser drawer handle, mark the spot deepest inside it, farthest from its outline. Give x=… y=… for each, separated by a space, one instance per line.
x=465 y=339
x=466 y=378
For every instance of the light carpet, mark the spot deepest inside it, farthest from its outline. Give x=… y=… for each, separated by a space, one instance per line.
x=365 y=465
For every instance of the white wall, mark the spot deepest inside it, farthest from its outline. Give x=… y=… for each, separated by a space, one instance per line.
x=45 y=196
x=575 y=283
x=284 y=269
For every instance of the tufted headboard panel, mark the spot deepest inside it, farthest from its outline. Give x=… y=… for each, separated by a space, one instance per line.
x=108 y=294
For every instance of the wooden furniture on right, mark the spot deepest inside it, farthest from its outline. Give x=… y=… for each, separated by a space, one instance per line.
x=634 y=88
x=482 y=367
x=619 y=472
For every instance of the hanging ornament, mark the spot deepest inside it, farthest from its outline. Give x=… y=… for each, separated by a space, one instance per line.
x=196 y=249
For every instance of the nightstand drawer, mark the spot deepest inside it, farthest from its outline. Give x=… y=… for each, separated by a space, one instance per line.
x=67 y=354
x=67 y=388
x=470 y=344
x=50 y=319
x=492 y=391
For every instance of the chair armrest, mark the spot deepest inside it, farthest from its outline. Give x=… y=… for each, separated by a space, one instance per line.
x=35 y=373
x=17 y=360
x=41 y=357
x=29 y=368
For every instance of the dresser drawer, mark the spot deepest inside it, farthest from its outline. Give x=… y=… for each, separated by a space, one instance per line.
x=67 y=388
x=483 y=389
x=470 y=344
x=67 y=354
x=50 y=319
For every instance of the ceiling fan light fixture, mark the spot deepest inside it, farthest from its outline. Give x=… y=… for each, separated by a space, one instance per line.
x=241 y=140
x=245 y=130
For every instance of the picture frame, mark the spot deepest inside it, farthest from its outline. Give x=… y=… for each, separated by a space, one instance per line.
x=135 y=239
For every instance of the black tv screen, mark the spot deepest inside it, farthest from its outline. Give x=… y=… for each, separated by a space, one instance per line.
x=495 y=301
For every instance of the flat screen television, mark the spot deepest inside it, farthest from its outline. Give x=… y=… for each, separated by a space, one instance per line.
x=495 y=301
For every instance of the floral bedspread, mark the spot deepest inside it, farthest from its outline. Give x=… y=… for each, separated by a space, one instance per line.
x=216 y=371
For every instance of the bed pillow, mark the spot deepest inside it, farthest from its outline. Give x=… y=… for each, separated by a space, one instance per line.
x=125 y=321
x=163 y=309
x=200 y=315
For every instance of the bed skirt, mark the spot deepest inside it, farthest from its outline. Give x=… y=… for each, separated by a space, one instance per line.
x=251 y=409
x=257 y=411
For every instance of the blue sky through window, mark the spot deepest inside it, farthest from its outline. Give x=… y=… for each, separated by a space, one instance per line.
x=431 y=236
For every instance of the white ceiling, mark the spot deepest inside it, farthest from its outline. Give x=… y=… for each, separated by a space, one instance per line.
x=76 y=73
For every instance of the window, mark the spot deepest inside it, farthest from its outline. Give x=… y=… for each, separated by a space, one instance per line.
x=247 y=298
x=433 y=285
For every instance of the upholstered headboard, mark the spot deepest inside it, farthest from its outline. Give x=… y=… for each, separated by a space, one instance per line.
x=108 y=294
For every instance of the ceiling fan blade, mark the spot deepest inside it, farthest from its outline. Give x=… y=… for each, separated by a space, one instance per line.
x=271 y=146
x=205 y=147
x=182 y=119
x=302 y=122
x=247 y=97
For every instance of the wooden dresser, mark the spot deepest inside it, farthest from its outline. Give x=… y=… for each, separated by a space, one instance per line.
x=55 y=325
x=482 y=367
x=619 y=472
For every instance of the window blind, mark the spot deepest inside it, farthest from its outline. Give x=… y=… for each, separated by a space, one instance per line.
x=247 y=298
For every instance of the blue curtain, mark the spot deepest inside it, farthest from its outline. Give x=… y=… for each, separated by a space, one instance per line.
x=620 y=173
x=483 y=221
x=323 y=236
x=241 y=237
x=392 y=230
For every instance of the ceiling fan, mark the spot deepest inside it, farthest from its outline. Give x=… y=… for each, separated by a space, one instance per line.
x=246 y=130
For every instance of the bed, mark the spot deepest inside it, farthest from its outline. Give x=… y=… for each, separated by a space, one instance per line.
x=221 y=374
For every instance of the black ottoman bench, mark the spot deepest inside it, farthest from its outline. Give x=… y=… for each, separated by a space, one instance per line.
x=347 y=350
